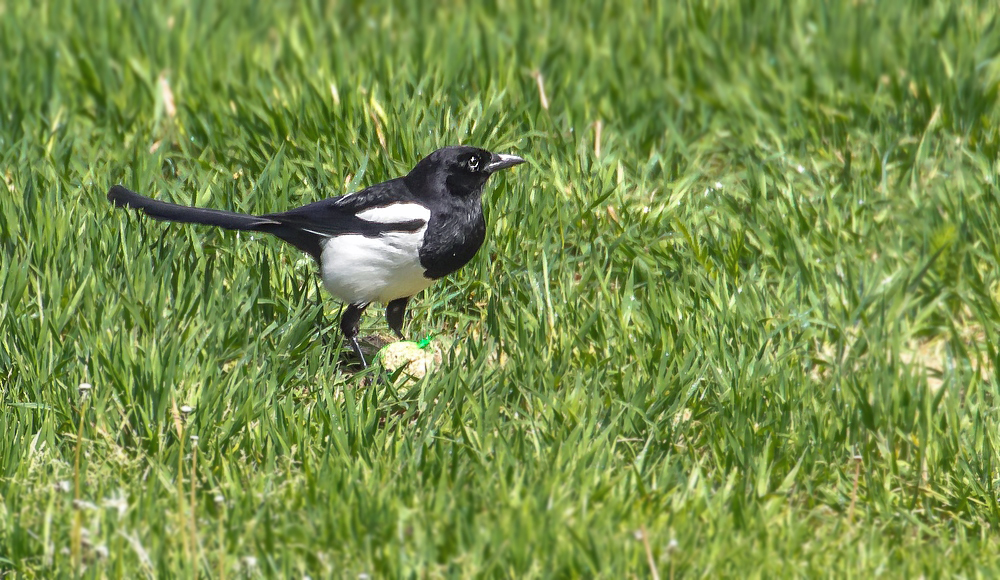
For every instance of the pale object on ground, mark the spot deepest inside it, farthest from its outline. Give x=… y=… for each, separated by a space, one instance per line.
x=416 y=361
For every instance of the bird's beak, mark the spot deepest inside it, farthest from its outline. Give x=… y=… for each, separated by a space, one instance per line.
x=503 y=161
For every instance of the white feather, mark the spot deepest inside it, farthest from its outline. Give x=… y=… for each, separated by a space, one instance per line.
x=395 y=213
x=357 y=268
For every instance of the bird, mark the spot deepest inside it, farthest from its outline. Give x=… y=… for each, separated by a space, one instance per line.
x=384 y=243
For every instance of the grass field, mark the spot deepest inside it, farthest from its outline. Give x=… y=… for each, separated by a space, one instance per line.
x=737 y=317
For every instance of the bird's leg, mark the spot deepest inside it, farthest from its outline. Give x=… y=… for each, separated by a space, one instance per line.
x=320 y=320
x=350 y=321
x=394 y=312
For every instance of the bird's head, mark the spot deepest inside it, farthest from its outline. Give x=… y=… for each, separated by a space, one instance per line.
x=458 y=171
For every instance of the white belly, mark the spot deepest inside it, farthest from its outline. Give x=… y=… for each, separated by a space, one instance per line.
x=360 y=269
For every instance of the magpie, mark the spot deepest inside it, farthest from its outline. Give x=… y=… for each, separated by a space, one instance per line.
x=382 y=244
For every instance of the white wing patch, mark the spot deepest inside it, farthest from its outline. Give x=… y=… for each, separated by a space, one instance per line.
x=395 y=213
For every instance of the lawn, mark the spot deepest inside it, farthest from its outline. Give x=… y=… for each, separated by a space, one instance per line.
x=736 y=317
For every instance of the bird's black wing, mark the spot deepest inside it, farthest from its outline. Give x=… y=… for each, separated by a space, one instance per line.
x=337 y=216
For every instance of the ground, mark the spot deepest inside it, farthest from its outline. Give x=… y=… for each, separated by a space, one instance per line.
x=736 y=317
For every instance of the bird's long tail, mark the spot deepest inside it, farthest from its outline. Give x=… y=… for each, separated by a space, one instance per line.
x=303 y=239
x=162 y=210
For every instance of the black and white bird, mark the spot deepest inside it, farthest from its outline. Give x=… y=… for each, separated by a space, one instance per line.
x=381 y=244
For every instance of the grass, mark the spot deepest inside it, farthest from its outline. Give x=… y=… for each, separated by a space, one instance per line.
x=737 y=316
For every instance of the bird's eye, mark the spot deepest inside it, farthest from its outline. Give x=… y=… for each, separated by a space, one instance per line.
x=474 y=163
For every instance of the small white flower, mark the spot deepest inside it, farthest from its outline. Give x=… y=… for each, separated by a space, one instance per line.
x=194 y=439
x=63 y=486
x=718 y=185
x=117 y=502
x=84 y=390
x=800 y=169
x=186 y=409
x=82 y=504
x=101 y=551
x=219 y=499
